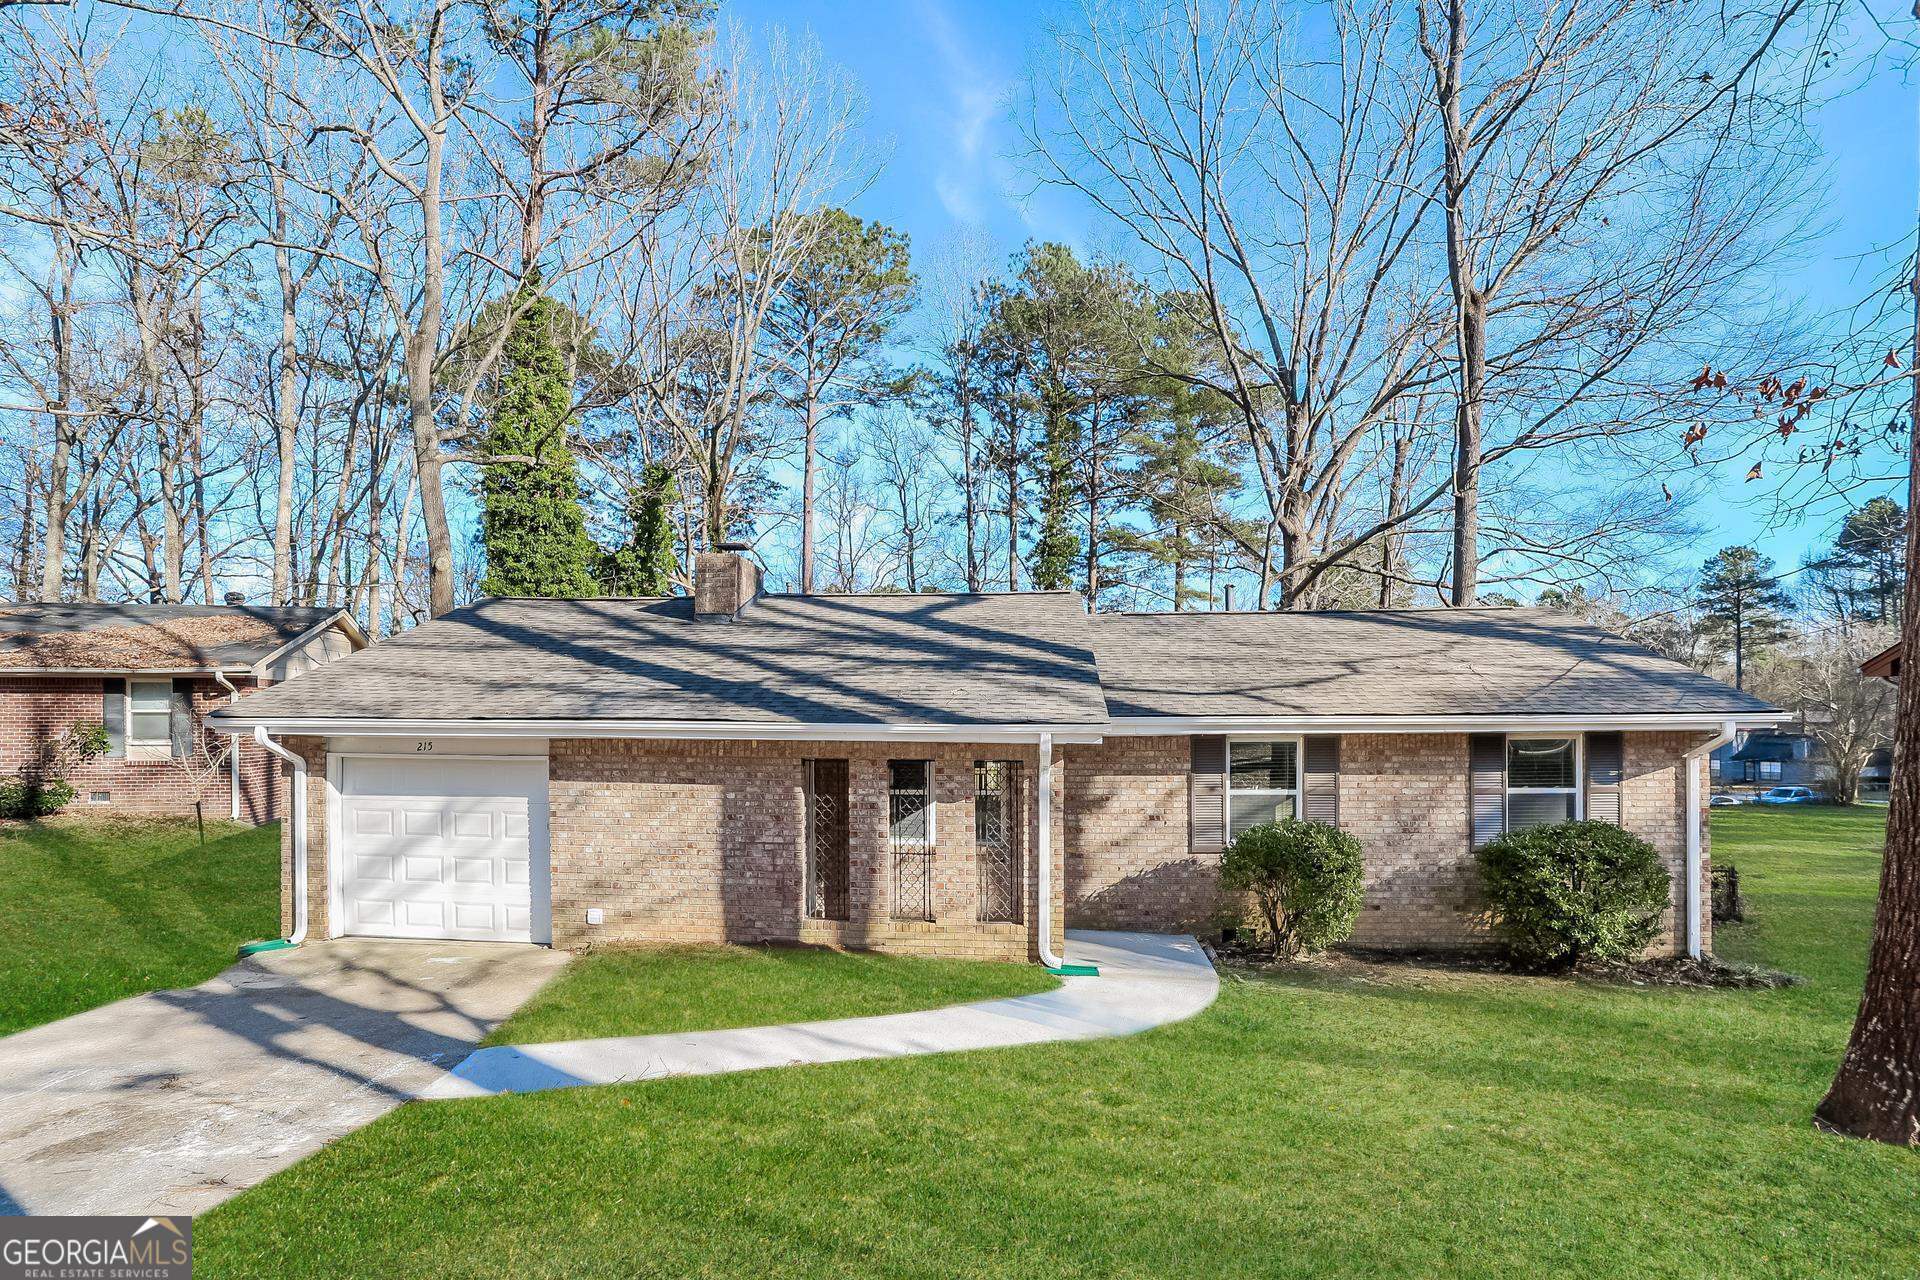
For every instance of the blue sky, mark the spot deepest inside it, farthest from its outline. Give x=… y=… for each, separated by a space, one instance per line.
x=938 y=74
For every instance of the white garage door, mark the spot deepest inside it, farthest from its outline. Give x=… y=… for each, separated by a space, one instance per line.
x=438 y=848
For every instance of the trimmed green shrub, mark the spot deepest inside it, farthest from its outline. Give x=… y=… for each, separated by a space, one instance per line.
x=1574 y=891
x=1304 y=876
x=35 y=799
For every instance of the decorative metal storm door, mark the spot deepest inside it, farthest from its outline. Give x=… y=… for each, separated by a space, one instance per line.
x=910 y=823
x=827 y=839
x=996 y=838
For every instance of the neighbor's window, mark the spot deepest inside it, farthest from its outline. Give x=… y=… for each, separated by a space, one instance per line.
x=150 y=724
x=1263 y=783
x=1770 y=771
x=1541 y=781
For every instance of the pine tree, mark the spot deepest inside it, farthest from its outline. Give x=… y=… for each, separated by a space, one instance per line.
x=1741 y=604
x=1870 y=559
x=531 y=523
x=645 y=566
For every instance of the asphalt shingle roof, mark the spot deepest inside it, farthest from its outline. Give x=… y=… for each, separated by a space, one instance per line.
x=924 y=659
x=148 y=637
x=1481 y=662
x=1029 y=658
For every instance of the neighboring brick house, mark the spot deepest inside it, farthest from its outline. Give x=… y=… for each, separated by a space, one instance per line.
x=151 y=675
x=962 y=774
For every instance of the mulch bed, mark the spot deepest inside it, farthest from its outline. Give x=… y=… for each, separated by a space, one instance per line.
x=1244 y=959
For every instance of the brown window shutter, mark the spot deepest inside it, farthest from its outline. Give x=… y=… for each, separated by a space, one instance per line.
x=1606 y=763
x=1320 y=779
x=1207 y=793
x=1487 y=763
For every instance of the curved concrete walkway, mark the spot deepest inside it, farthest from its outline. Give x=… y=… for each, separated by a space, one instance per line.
x=1146 y=980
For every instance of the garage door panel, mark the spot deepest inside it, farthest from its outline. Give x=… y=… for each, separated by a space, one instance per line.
x=439 y=849
x=372 y=822
x=374 y=867
x=476 y=871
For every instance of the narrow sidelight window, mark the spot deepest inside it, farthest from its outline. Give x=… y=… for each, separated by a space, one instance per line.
x=1542 y=776
x=827 y=869
x=1263 y=782
x=997 y=832
x=910 y=828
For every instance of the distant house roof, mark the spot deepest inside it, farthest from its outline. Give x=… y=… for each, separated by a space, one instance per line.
x=1771 y=746
x=1885 y=664
x=1385 y=663
x=1016 y=659
x=148 y=637
x=818 y=659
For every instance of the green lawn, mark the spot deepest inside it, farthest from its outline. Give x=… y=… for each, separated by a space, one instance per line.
x=93 y=910
x=638 y=993
x=1431 y=1124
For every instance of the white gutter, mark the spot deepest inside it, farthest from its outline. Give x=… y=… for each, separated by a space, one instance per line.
x=233 y=760
x=1139 y=726
x=1693 y=757
x=299 y=933
x=742 y=730
x=1043 y=844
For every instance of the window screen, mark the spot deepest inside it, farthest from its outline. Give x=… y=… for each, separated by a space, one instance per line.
x=1541 y=782
x=152 y=712
x=1263 y=783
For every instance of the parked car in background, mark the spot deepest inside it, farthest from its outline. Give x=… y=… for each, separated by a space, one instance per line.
x=1790 y=795
x=1726 y=800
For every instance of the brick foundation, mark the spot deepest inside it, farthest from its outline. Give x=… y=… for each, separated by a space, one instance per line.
x=40 y=709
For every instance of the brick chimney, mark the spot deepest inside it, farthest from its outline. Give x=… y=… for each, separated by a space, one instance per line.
x=725 y=582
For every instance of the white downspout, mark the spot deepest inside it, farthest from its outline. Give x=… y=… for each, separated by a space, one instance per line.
x=299 y=933
x=233 y=740
x=1043 y=842
x=1693 y=759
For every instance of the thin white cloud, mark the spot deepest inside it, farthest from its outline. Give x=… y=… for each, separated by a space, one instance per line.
x=968 y=173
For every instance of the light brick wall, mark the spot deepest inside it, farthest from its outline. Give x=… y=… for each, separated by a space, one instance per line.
x=314 y=752
x=1404 y=796
x=704 y=842
x=39 y=709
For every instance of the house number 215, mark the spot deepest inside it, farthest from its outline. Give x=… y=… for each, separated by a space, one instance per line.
x=425 y=744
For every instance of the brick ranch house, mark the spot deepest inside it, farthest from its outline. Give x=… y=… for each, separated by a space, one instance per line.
x=954 y=774
x=152 y=674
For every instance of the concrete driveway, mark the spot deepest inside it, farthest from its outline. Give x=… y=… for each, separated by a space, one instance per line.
x=170 y=1102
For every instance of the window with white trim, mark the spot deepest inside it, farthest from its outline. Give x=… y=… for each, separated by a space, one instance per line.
x=150 y=713
x=1263 y=782
x=1771 y=771
x=1543 y=776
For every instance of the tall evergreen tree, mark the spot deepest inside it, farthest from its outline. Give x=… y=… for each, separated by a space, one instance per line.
x=1741 y=604
x=646 y=565
x=1867 y=566
x=531 y=523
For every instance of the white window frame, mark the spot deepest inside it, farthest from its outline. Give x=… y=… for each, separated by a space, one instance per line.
x=1299 y=765
x=148 y=748
x=1579 y=787
x=932 y=806
x=1779 y=770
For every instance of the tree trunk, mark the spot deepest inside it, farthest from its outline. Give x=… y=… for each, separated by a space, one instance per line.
x=1876 y=1093
x=423 y=345
x=808 y=468
x=1470 y=313
x=285 y=412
